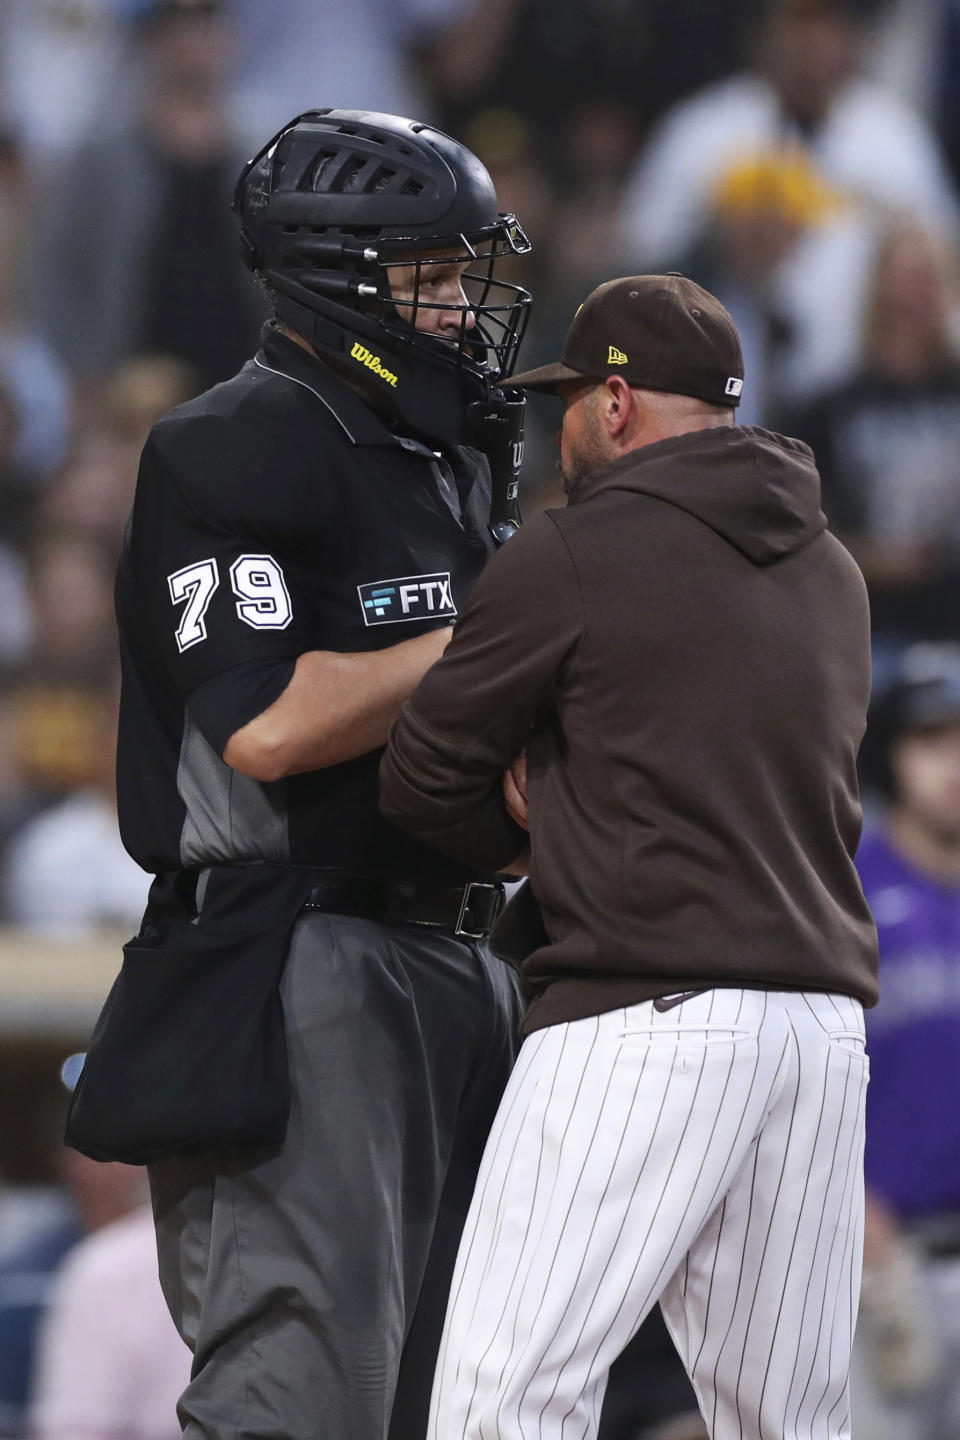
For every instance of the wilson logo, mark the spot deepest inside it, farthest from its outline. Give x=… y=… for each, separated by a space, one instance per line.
x=615 y=356
x=372 y=362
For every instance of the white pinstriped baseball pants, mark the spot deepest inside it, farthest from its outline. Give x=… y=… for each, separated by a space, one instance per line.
x=709 y=1156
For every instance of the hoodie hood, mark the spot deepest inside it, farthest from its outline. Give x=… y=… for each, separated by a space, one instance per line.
x=758 y=490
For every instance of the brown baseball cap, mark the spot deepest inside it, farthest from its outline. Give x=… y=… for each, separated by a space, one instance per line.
x=660 y=332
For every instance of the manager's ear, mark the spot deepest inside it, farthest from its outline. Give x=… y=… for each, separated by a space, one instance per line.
x=619 y=406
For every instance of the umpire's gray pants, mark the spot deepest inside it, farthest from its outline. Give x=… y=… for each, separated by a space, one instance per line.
x=310 y=1281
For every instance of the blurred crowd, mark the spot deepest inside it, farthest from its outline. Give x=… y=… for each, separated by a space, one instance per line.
x=800 y=158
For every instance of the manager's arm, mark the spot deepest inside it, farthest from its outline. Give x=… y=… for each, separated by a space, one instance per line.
x=470 y=716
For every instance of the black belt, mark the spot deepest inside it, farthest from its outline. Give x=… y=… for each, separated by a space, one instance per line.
x=469 y=911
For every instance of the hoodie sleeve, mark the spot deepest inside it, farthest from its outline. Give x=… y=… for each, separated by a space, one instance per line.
x=471 y=714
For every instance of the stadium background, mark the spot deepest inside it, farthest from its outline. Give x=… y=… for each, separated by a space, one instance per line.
x=628 y=135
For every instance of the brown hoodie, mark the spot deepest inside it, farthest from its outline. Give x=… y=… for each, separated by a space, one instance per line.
x=684 y=653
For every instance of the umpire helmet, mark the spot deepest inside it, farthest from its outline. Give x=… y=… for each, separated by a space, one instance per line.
x=334 y=203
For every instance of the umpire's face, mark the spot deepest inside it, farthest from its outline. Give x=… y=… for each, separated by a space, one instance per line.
x=430 y=294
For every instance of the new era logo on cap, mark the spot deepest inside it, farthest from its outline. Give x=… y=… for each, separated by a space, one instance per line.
x=615 y=356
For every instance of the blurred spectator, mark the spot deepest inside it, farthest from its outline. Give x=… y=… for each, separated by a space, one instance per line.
x=138 y=247
x=17 y=799
x=902 y=54
x=947 y=57
x=98 y=1196
x=61 y=69
x=93 y=493
x=71 y=600
x=14 y=500
x=89 y=500
x=909 y=864
x=552 y=64
x=51 y=708
x=504 y=143
x=29 y=369
x=918 y=54
x=26 y=1278
x=53 y=733
x=296 y=55
x=805 y=94
x=140 y=392
x=39 y=388
x=110 y=1362
x=62 y=653
x=562 y=67
x=65 y=870
x=760 y=212
x=888 y=443
x=673 y=67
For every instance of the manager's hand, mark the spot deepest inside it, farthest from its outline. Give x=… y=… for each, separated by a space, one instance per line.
x=515 y=791
x=515 y=799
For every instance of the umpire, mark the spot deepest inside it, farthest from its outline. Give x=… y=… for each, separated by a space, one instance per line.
x=302 y=539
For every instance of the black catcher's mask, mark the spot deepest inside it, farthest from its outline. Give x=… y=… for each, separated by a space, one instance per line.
x=333 y=205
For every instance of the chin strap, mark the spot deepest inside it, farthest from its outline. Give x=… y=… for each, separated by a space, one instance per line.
x=495 y=426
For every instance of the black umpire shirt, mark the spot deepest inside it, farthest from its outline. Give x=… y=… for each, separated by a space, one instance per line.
x=277 y=514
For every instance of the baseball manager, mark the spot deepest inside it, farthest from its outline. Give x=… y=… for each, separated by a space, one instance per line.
x=683 y=653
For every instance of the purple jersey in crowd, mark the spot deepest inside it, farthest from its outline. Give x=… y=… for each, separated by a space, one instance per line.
x=913 y=1035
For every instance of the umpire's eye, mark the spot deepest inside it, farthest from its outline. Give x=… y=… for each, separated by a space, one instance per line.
x=447 y=281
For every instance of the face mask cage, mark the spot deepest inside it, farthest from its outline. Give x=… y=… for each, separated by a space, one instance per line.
x=493 y=313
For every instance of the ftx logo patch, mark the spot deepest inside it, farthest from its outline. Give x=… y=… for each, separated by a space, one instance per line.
x=411 y=597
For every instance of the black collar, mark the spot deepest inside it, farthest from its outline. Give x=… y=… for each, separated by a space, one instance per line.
x=359 y=422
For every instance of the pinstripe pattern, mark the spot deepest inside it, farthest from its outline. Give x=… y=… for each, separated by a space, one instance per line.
x=709 y=1156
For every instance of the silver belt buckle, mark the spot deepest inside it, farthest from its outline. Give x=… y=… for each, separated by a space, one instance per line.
x=465 y=906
